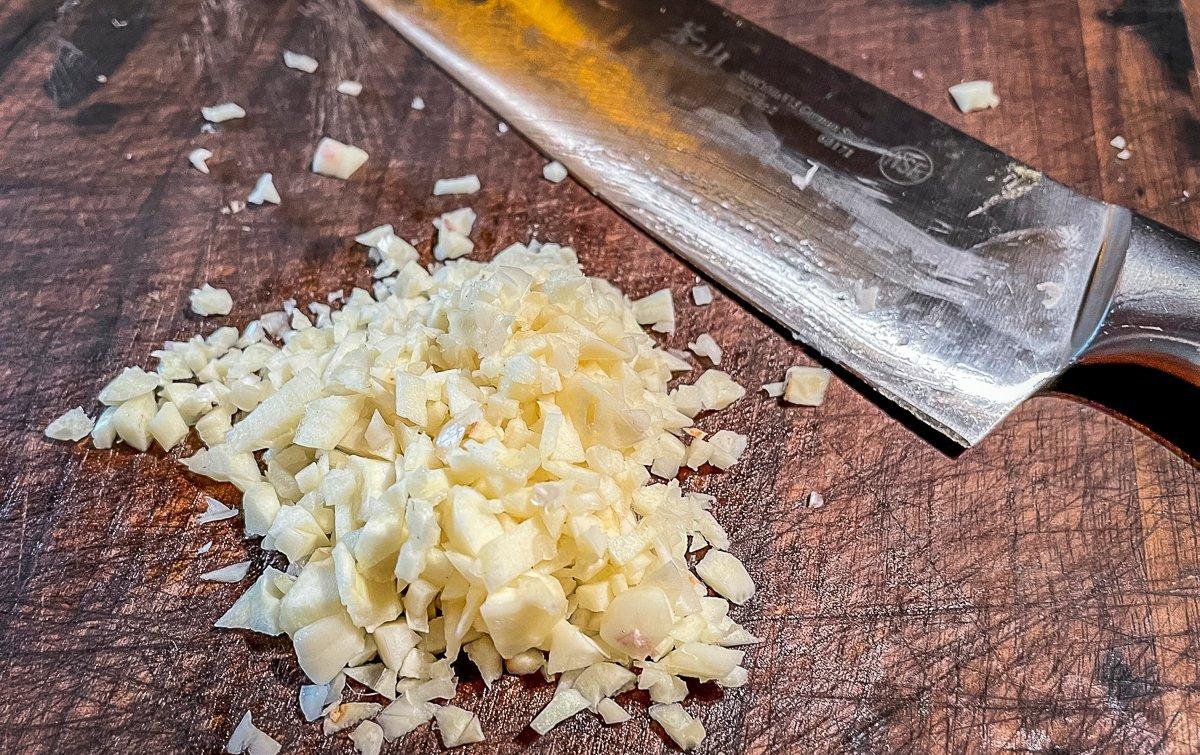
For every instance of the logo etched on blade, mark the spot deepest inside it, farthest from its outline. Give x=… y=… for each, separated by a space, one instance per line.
x=906 y=166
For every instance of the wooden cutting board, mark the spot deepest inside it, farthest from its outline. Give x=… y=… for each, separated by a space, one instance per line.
x=1038 y=592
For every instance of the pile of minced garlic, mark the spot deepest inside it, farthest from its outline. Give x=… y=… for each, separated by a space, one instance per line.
x=476 y=459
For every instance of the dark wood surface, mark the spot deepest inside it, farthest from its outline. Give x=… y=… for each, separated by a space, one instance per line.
x=1040 y=592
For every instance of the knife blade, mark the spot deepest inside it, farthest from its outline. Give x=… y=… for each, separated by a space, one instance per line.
x=953 y=279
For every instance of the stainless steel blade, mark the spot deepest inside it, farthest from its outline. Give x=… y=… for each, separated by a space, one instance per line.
x=948 y=276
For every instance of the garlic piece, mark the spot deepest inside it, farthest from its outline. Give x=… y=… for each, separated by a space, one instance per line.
x=702 y=295
x=248 y=738
x=685 y=730
x=705 y=346
x=458 y=726
x=168 y=428
x=417 y=103
x=727 y=575
x=565 y=703
x=971 y=96
x=554 y=172
x=349 y=714
x=367 y=738
x=198 y=158
x=229 y=574
x=299 y=62
x=215 y=511
x=451 y=245
x=806 y=386
x=208 y=301
x=71 y=425
x=656 y=310
x=1053 y=293
x=224 y=112
x=611 y=712
x=774 y=390
x=461 y=221
x=462 y=185
x=337 y=160
x=349 y=88
x=637 y=621
x=264 y=191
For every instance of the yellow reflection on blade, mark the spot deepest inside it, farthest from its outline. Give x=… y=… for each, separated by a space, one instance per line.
x=555 y=43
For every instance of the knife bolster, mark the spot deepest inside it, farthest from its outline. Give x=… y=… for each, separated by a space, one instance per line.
x=1154 y=316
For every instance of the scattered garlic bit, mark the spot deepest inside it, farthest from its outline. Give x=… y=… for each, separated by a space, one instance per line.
x=1053 y=293
x=458 y=726
x=1124 y=154
x=656 y=310
x=248 y=738
x=234 y=207
x=215 y=511
x=502 y=127
x=264 y=191
x=72 y=425
x=232 y=573
x=417 y=103
x=348 y=87
x=702 y=295
x=865 y=297
x=802 y=182
x=774 y=390
x=971 y=96
x=459 y=462
x=224 y=112
x=554 y=172
x=198 y=158
x=367 y=738
x=727 y=575
x=685 y=730
x=299 y=62
x=1119 y=142
x=815 y=500
x=806 y=385
x=208 y=301
x=204 y=548
x=461 y=185
x=332 y=158
x=705 y=346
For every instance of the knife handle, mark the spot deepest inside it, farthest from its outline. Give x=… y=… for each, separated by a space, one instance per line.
x=1154 y=318
x=1153 y=321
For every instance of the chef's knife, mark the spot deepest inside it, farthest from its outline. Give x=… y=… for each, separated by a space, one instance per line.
x=952 y=278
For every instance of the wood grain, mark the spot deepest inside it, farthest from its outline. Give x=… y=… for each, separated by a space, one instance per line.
x=1038 y=592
